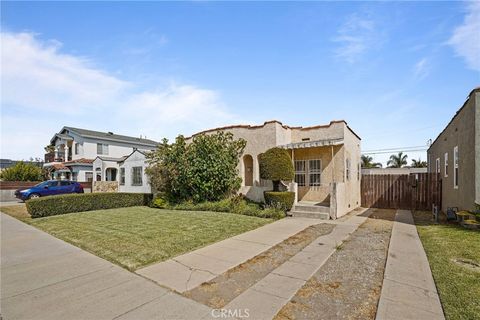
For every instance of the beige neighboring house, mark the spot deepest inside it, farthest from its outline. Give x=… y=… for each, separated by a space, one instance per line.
x=455 y=155
x=326 y=159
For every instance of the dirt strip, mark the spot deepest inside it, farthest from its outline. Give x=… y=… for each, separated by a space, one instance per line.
x=348 y=285
x=221 y=290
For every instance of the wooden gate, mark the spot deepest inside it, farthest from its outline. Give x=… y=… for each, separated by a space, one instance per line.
x=416 y=191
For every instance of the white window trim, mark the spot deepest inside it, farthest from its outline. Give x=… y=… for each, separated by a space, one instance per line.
x=455 y=166
x=445 y=164
x=133 y=177
x=437 y=165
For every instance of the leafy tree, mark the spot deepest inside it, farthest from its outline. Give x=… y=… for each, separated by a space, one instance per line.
x=22 y=171
x=203 y=170
x=49 y=148
x=419 y=163
x=276 y=165
x=367 y=162
x=397 y=160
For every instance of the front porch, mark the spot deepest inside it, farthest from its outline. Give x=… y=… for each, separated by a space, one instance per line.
x=319 y=174
x=61 y=149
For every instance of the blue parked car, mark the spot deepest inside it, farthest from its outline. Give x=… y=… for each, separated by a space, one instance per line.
x=49 y=188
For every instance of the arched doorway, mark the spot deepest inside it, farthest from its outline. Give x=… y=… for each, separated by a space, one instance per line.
x=111 y=174
x=248 y=170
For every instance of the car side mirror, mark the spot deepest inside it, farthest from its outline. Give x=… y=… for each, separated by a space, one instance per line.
x=46 y=187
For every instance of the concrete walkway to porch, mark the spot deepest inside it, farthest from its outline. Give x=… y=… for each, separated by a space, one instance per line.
x=265 y=299
x=408 y=290
x=43 y=277
x=189 y=270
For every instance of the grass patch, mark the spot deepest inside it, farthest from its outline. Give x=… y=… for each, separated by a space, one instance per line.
x=18 y=211
x=458 y=284
x=138 y=236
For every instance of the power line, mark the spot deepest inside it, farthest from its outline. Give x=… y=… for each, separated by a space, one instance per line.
x=393 y=151
x=398 y=148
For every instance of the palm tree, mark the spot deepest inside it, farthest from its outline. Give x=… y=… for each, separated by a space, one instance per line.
x=397 y=161
x=367 y=162
x=419 y=163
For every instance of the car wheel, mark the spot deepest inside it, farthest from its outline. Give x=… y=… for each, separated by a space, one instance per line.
x=34 y=196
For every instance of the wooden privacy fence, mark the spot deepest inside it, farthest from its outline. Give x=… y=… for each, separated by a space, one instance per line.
x=416 y=191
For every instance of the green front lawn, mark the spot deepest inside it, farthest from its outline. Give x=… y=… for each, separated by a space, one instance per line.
x=137 y=236
x=457 y=284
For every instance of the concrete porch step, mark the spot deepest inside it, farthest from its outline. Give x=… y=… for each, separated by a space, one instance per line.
x=311 y=208
x=310 y=214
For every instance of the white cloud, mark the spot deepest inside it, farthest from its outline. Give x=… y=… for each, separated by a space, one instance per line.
x=466 y=37
x=421 y=69
x=36 y=75
x=44 y=89
x=355 y=37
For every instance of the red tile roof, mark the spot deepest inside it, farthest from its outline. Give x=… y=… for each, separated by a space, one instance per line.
x=59 y=166
x=81 y=160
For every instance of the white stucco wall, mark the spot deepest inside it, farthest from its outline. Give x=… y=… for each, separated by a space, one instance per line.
x=88 y=147
x=137 y=159
x=115 y=149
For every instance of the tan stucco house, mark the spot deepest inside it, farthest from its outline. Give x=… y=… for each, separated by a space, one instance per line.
x=326 y=159
x=455 y=155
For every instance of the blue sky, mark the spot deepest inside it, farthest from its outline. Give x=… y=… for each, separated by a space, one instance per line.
x=395 y=71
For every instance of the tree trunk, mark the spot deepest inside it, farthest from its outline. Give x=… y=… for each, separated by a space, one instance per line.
x=276 y=185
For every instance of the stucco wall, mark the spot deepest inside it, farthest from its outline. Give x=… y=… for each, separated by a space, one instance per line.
x=330 y=170
x=352 y=151
x=137 y=159
x=103 y=165
x=477 y=147
x=88 y=147
x=333 y=131
x=460 y=132
x=80 y=172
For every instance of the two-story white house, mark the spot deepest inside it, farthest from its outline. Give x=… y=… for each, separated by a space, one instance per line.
x=87 y=155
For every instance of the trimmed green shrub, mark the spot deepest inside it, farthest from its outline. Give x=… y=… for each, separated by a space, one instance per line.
x=283 y=200
x=276 y=165
x=237 y=205
x=68 y=203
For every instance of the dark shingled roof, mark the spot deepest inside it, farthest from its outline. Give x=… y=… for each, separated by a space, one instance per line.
x=110 y=136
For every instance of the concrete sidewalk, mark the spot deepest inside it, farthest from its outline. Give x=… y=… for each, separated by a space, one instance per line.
x=45 y=278
x=189 y=270
x=408 y=290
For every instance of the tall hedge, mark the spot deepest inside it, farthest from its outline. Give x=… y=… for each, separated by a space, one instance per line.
x=68 y=203
x=276 y=165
